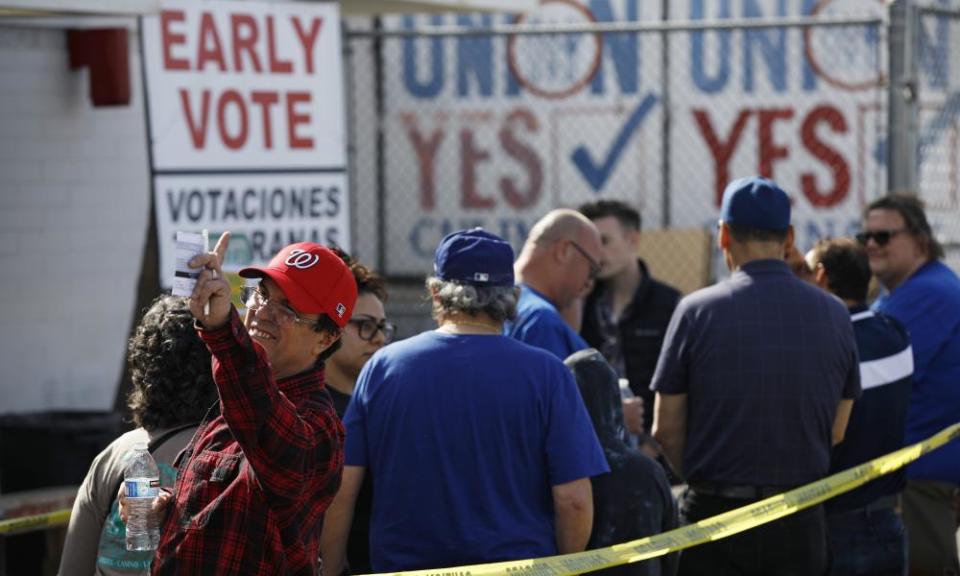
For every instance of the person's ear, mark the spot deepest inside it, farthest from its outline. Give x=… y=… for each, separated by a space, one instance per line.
x=325 y=340
x=561 y=251
x=723 y=236
x=788 y=241
x=820 y=277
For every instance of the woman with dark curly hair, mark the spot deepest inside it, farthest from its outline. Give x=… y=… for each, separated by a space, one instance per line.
x=172 y=389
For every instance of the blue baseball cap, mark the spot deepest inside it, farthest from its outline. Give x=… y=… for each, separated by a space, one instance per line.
x=474 y=257
x=756 y=203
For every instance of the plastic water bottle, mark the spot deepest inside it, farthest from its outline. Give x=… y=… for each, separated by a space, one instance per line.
x=142 y=480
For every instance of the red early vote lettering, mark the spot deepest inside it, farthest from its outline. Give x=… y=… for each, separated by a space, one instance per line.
x=245 y=35
x=833 y=119
x=209 y=48
x=277 y=66
x=265 y=100
x=722 y=152
x=198 y=132
x=237 y=140
x=294 y=119
x=170 y=39
x=308 y=39
x=767 y=149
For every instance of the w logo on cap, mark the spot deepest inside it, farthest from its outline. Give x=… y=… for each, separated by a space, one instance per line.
x=301 y=259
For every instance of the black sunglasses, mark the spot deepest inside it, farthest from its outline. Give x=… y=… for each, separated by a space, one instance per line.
x=881 y=237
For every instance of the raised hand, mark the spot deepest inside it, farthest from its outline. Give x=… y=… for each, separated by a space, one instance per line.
x=210 y=301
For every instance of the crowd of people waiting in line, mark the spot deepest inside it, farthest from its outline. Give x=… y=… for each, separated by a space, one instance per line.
x=504 y=434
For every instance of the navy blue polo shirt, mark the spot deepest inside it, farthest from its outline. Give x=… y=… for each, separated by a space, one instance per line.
x=764 y=359
x=878 y=421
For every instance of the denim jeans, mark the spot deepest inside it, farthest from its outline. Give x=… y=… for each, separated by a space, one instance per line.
x=867 y=542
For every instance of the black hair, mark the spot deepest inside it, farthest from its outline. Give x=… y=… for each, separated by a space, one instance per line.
x=170 y=371
x=743 y=234
x=911 y=208
x=626 y=215
x=848 y=270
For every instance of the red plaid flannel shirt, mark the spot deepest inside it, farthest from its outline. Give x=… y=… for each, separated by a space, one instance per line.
x=254 y=484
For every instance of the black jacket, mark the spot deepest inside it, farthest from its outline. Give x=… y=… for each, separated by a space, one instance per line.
x=643 y=325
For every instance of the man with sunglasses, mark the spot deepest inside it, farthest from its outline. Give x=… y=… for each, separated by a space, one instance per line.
x=557 y=266
x=924 y=294
x=263 y=467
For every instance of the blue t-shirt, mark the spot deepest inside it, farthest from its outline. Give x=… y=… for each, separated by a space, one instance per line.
x=879 y=417
x=539 y=324
x=928 y=304
x=464 y=436
x=764 y=359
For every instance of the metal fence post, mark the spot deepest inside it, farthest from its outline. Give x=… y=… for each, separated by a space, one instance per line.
x=902 y=104
x=666 y=160
x=378 y=43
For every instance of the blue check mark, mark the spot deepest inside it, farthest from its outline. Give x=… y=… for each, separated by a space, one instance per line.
x=597 y=176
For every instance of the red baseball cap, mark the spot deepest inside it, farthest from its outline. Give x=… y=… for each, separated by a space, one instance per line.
x=313 y=278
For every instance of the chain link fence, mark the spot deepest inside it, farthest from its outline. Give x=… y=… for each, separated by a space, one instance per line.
x=488 y=120
x=936 y=76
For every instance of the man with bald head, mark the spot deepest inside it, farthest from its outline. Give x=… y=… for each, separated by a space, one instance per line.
x=558 y=262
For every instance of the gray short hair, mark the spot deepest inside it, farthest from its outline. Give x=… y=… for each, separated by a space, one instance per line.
x=498 y=302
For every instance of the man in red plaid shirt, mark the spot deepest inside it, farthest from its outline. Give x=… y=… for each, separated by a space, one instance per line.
x=259 y=474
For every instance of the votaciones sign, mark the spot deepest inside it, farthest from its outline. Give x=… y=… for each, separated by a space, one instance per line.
x=246 y=124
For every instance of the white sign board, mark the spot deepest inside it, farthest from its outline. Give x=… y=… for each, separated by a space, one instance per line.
x=245 y=85
x=247 y=127
x=263 y=212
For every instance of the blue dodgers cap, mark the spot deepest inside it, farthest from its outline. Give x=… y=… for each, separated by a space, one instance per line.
x=756 y=203
x=474 y=257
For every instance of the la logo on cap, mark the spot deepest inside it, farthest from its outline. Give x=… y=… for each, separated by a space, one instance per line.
x=341 y=309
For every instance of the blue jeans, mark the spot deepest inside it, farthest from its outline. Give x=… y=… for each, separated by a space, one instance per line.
x=867 y=542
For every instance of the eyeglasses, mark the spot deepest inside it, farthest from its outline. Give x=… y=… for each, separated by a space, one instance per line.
x=368 y=327
x=881 y=237
x=594 y=265
x=254 y=299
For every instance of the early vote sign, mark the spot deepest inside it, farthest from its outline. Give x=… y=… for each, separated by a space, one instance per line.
x=245 y=85
x=246 y=120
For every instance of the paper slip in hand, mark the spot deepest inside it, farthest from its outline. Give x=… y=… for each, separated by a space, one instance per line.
x=189 y=244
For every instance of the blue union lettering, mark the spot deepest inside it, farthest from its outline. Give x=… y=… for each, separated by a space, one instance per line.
x=434 y=84
x=621 y=49
x=475 y=58
x=772 y=44
x=704 y=80
x=934 y=52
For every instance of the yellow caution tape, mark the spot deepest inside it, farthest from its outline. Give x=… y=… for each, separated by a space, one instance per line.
x=714 y=528
x=37 y=522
